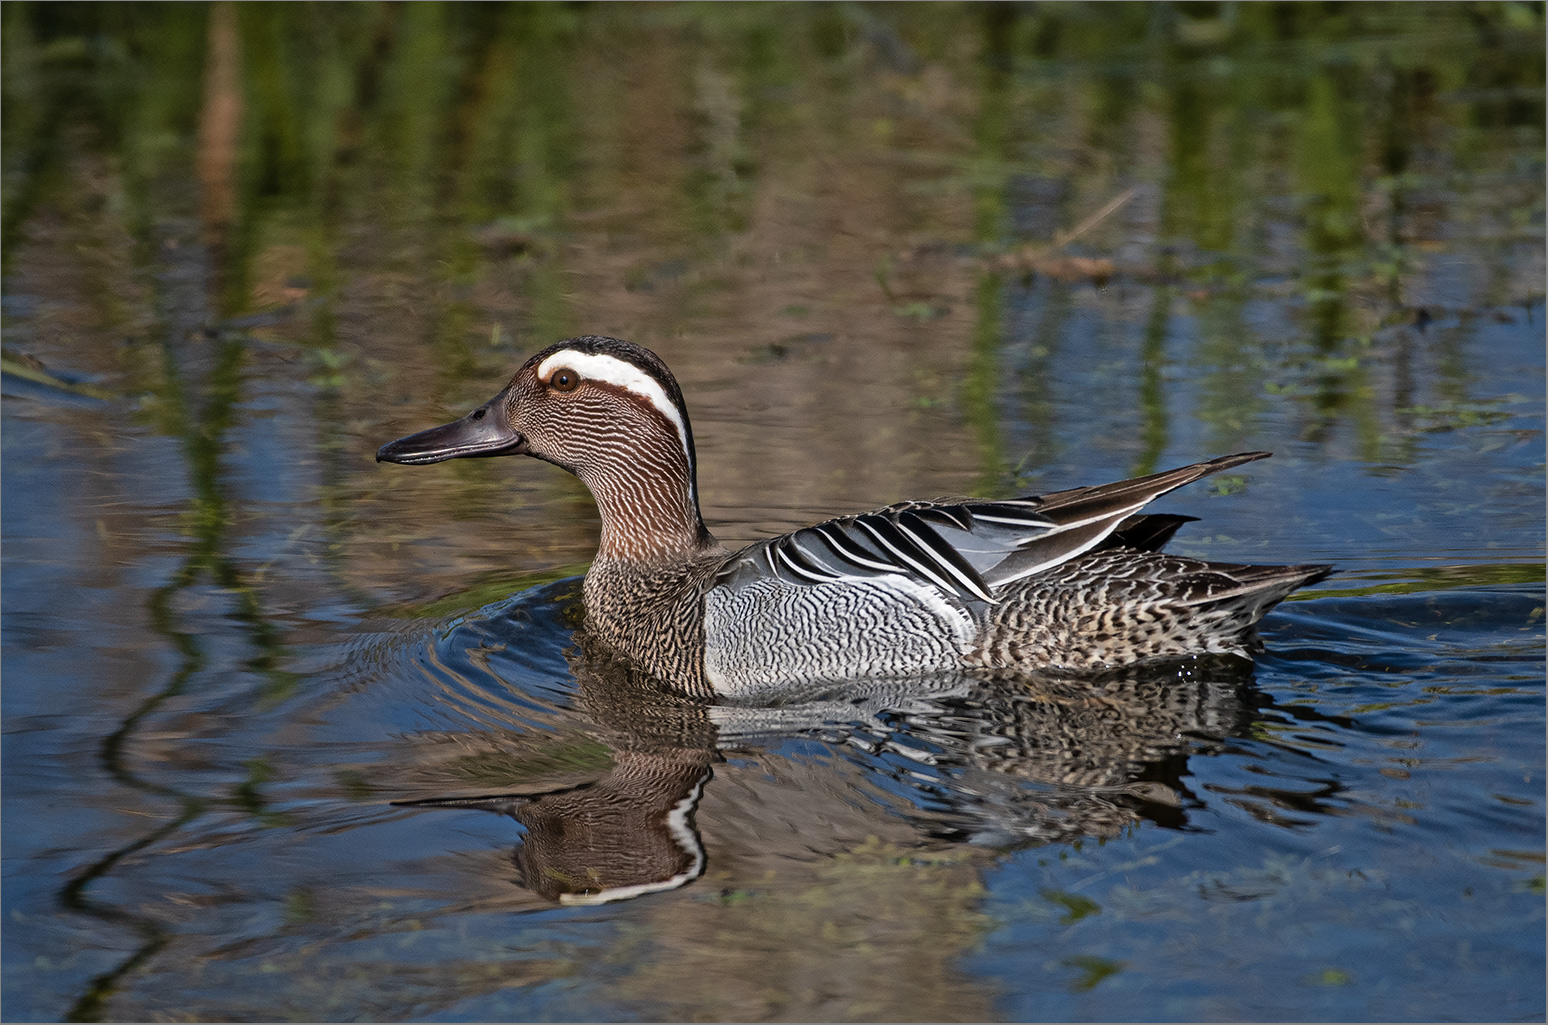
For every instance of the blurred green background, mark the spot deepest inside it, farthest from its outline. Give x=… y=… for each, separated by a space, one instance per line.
x=853 y=200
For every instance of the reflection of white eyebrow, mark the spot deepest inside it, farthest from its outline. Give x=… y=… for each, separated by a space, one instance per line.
x=687 y=840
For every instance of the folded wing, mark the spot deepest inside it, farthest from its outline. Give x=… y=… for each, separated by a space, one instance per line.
x=969 y=550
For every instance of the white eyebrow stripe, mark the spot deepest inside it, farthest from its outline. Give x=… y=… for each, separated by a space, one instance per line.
x=621 y=374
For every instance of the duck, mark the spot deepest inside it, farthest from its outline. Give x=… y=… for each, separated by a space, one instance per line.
x=1074 y=580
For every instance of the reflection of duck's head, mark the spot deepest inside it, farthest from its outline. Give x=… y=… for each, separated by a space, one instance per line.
x=624 y=834
x=609 y=815
x=628 y=834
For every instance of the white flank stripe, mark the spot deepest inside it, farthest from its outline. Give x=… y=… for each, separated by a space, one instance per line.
x=1066 y=556
x=938 y=560
x=1125 y=512
x=1041 y=523
x=907 y=560
x=850 y=550
x=797 y=570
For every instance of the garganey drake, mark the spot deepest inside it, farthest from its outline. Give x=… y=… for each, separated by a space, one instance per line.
x=1073 y=579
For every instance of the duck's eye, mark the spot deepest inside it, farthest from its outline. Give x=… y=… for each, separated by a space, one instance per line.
x=563 y=379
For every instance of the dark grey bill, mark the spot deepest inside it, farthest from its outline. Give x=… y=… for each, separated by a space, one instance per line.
x=483 y=432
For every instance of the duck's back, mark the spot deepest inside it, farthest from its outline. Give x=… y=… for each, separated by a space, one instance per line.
x=1073 y=579
x=1119 y=605
x=1112 y=606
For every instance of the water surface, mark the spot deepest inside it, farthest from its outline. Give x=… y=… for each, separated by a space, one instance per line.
x=890 y=252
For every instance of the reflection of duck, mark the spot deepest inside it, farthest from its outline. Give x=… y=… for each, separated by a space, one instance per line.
x=1059 y=757
x=933 y=761
x=600 y=826
x=625 y=835
x=1033 y=759
x=1071 y=578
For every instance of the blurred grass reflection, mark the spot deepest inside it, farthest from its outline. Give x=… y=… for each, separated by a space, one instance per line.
x=470 y=138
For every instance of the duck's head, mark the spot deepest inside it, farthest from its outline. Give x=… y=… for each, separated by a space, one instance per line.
x=607 y=410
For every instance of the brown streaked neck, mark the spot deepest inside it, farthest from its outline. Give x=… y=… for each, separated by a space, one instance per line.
x=650 y=507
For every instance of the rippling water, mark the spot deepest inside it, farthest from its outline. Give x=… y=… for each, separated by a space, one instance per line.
x=292 y=735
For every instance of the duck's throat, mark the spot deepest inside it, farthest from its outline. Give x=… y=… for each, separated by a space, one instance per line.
x=650 y=512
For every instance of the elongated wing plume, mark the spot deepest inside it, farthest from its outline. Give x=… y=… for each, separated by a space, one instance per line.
x=1086 y=516
x=968 y=550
